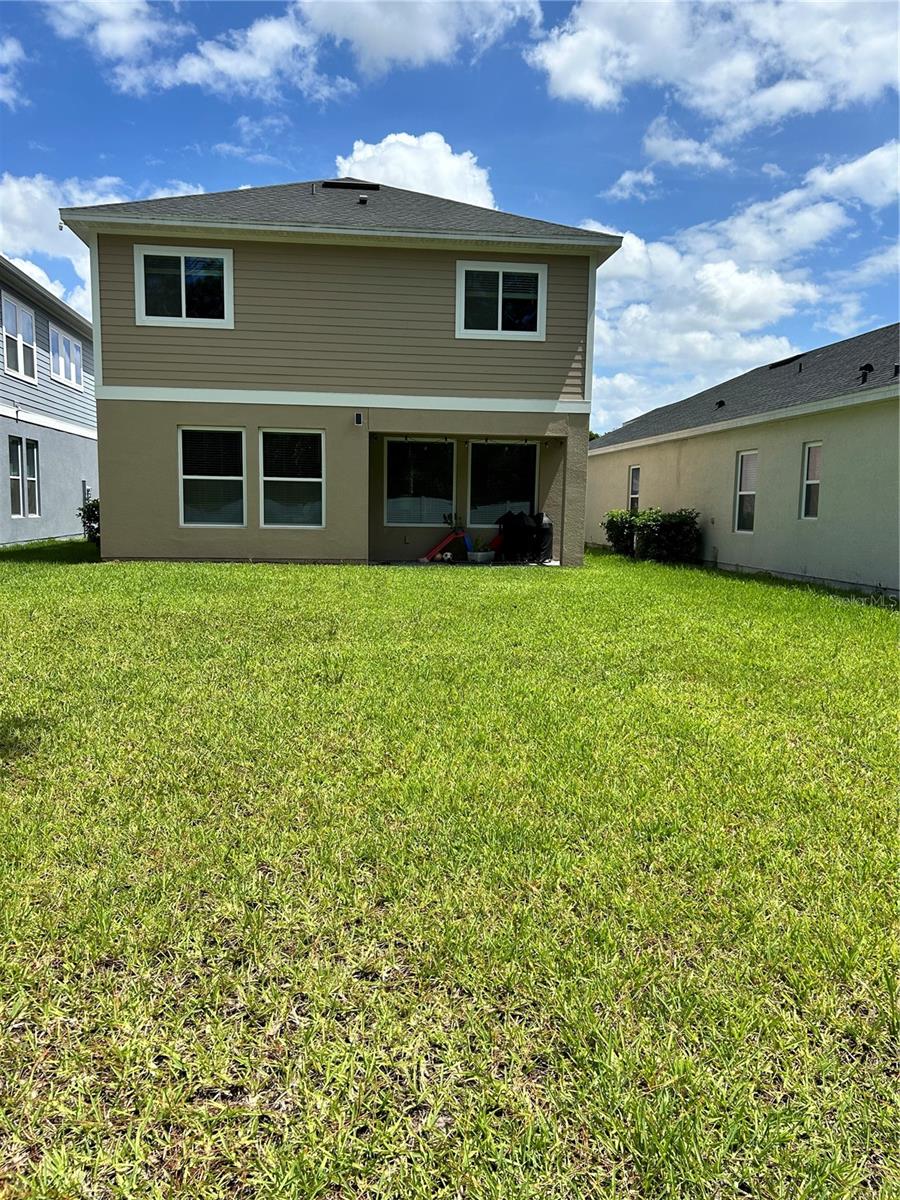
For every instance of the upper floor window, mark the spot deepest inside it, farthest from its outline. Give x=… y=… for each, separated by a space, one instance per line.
x=501 y=300
x=175 y=285
x=812 y=477
x=19 y=357
x=65 y=358
x=634 y=488
x=745 y=498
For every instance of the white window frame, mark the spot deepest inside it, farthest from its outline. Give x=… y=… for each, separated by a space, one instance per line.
x=498 y=334
x=264 y=479
x=470 y=524
x=415 y=525
x=243 y=477
x=632 y=495
x=7 y=297
x=20 y=443
x=36 y=477
x=741 y=454
x=182 y=252
x=74 y=341
x=807 y=446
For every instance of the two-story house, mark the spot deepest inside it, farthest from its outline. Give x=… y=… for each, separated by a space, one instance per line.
x=48 y=429
x=327 y=370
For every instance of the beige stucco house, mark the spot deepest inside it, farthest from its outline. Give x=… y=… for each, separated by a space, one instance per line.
x=792 y=466
x=324 y=370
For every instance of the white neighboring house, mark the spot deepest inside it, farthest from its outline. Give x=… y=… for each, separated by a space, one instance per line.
x=793 y=466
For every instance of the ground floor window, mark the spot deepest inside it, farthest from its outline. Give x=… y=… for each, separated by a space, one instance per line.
x=745 y=501
x=212 y=476
x=419 y=481
x=812 y=476
x=24 y=478
x=16 y=478
x=502 y=478
x=292 y=478
x=634 y=489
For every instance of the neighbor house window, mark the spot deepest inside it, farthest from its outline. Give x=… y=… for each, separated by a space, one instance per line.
x=745 y=501
x=419 y=479
x=184 y=287
x=634 y=488
x=212 y=476
x=16 y=478
x=502 y=478
x=293 y=478
x=812 y=476
x=501 y=300
x=19 y=357
x=65 y=358
x=32 y=479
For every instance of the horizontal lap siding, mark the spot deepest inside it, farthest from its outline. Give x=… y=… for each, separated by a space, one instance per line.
x=46 y=395
x=344 y=319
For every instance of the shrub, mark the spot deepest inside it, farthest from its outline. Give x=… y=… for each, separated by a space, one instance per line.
x=652 y=533
x=89 y=515
x=668 y=536
x=619 y=526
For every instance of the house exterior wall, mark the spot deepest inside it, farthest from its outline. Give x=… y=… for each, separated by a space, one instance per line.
x=140 y=484
x=854 y=541
x=47 y=396
x=346 y=319
x=65 y=460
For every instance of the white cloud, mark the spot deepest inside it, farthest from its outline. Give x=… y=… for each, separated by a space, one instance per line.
x=172 y=187
x=873 y=179
x=663 y=142
x=679 y=315
x=39 y=275
x=773 y=170
x=632 y=185
x=425 y=163
x=255 y=140
x=11 y=57
x=737 y=64
x=116 y=30
x=384 y=33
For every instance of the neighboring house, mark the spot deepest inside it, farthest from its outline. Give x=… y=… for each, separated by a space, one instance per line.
x=323 y=370
x=48 y=423
x=793 y=466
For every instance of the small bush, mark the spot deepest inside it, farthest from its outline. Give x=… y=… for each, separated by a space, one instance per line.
x=619 y=526
x=89 y=515
x=652 y=533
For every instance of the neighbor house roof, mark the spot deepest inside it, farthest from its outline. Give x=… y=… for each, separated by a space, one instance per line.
x=16 y=280
x=850 y=368
x=347 y=206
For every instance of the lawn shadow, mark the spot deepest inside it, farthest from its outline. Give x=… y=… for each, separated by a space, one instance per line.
x=19 y=737
x=64 y=552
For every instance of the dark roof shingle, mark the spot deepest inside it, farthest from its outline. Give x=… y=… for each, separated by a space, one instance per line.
x=312 y=205
x=819 y=374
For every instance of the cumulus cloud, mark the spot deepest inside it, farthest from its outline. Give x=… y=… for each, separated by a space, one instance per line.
x=385 y=33
x=125 y=30
x=424 y=163
x=632 y=185
x=873 y=179
x=739 y=65
x=11 y=58
x=679 y=315
x=663 y=142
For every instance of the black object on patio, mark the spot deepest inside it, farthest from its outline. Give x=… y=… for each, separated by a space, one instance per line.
x=526 y=538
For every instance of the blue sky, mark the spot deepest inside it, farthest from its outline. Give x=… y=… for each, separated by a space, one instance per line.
x=747 y=150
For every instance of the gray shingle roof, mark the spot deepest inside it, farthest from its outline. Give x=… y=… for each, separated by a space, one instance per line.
x=310 y=204
x=813 y=375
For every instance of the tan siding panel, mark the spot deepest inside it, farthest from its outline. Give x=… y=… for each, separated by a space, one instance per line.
x=344 y=319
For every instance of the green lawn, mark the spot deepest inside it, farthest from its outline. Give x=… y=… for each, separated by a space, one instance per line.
x=382 y=882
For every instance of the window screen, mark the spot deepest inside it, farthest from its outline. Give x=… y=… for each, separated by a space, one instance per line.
x=419 y=482
x=503 y=480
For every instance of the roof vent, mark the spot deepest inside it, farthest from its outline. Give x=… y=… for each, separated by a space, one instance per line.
x=865 y=371
x=351 y=185
x=364 y=199
x=720 y=404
